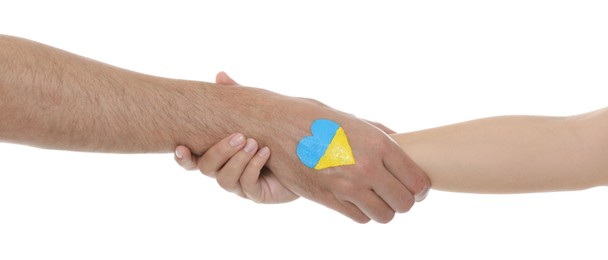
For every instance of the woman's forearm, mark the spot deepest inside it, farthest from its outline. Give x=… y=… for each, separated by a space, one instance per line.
x=513 y=154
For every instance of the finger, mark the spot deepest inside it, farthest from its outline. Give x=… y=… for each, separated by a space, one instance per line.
x=228 y=177
x=349 y=209
x=345 y=207
x=250 y=179
x=223 y=78
x=213 y=160
x=407 y=172
x=394 y=193
x=185 y=158
x=260 y=184
x=373 y=206
x=381 y=127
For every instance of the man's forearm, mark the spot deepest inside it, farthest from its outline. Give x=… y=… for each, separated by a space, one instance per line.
x=50 y=98
x=58 y=100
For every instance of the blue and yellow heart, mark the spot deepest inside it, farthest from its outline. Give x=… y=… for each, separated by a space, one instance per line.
x=327 y=147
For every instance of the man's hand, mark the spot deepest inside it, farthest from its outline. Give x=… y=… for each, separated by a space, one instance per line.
x=382 y=181
x=65 y=101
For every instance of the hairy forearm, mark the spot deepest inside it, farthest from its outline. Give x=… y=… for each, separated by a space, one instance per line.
x=54 y=99
x=513 y=154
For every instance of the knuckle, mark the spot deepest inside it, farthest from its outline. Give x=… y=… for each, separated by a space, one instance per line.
x=348 y=188
x=364 y=165
x=314 y=101
x=224 y=150
x=381 y=142
x=203 y=168
x=208 y=173
x=225 y=184
x=256 y=164
x=250 y=194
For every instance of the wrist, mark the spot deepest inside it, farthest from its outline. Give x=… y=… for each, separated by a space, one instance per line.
x=207 y=112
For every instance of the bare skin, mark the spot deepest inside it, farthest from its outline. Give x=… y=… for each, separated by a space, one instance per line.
x=507 y=154
x=514 y=154
x=54 y=99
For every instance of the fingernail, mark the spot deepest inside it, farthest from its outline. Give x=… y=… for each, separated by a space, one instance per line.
x=237 y=140
x=420 y=197
x=264 y=151
x=178 y=155
x=250 y=146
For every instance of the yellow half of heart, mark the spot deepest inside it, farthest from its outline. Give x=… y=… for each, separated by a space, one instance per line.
x=338 y=152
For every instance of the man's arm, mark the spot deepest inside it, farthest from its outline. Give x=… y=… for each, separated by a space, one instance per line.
x=54 y=99
x=514 y=154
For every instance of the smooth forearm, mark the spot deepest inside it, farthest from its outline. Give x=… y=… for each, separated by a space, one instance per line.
x=513 y=154
x=58 y=100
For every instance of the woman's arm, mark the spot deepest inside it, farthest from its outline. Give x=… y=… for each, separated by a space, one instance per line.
x=514 y=154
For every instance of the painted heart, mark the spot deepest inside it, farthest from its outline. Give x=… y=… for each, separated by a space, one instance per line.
x=327 y=147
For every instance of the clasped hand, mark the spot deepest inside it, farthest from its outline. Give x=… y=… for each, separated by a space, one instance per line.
x=382 y=182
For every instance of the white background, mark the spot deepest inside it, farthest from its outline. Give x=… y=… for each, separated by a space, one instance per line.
x=408 y=64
